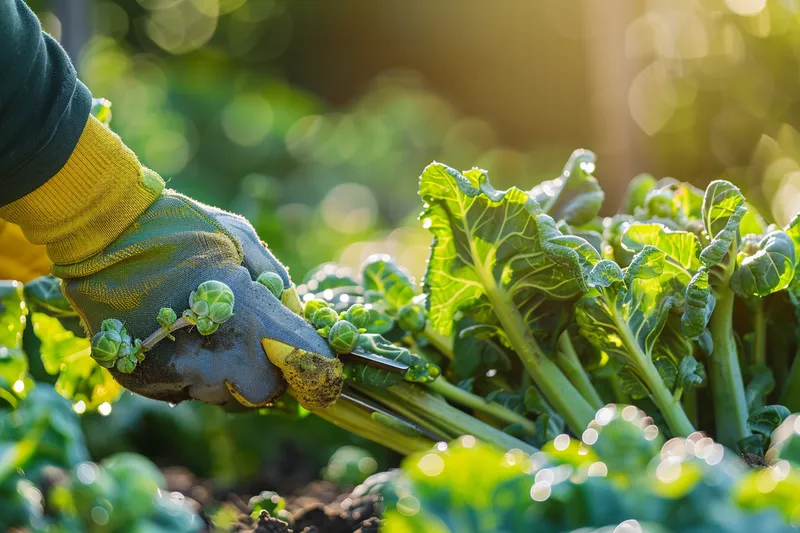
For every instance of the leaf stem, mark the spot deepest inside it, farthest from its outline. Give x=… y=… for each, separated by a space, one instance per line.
x=571 y=366
x=727 y=386
x=670 y=408
x=493 y=409
x=416 y=403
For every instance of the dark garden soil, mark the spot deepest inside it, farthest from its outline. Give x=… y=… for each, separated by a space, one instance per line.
x=318 y=507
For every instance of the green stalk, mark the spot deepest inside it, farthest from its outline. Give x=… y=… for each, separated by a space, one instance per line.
x=727 y=387
x=358 y=421
x=790 y=397
x=690 y=405
x=478 y=403
x=670 y=408
x=557 y=389
x=415 y=402
x=571 y=366
x=759 y=333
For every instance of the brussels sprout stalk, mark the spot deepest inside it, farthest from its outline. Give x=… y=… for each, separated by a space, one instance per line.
x=210 y=305
x=473 y=401
x=571 y=366
x=727 y=386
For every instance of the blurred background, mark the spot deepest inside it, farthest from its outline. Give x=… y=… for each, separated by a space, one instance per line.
x=314 y=119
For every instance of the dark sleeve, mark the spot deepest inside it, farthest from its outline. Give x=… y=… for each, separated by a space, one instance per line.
x=43 y=105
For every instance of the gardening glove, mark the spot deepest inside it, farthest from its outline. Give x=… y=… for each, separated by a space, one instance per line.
x=19 y=259
x=125 y=248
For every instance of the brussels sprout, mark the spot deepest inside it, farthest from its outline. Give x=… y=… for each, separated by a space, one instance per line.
x=166 y=317
x=343 y=337
x=411 y=318
x=211 y=305
x=126 y=365
x=357 y=315
x=312 y=307
x=324 y=317
x=272 y=281
x=105 y=346
x=112 y=324
x=212 y=299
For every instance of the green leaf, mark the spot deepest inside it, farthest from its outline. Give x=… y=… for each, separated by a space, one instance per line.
x=700 y=304
x=691 y=373
x=575 y=196
x=764 y=420
x=44 y=295
x=80 y=378
x=637 y=191
x=766 y=269
x=723 y=210
x=681 y=246
x=631 y=384
x=760 y=385
x=381 y=274
x=632 y=310
x=492 y=244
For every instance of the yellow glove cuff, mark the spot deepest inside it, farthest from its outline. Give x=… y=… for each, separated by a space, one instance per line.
x=98 y=193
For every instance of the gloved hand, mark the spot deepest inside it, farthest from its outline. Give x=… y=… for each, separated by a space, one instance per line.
x=168 y=245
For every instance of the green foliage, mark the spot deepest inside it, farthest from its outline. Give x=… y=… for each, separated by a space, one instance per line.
x=619 y=478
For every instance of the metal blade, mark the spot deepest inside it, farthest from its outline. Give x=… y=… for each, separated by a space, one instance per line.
x=374 y=408
x=375 y=361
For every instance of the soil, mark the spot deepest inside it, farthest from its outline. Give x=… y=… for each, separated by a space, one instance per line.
x=318 y=507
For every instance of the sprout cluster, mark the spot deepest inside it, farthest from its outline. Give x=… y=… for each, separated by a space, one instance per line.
x=113 y=346
x=342 y=330
x=209 y=306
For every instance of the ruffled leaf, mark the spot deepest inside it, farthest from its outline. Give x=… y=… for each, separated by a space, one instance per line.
x=575 y=196
x=769 y=269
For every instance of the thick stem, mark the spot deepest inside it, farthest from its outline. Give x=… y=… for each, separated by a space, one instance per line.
x=690 y=405
x=790 y=397
x=356 y=420
x=467 y=399
x=727 y=387
x=759 y=333
x=557 y=389
x=670 y=408
x=570 y=364
x=409 y=399
x=441 y=342
x=162 y=333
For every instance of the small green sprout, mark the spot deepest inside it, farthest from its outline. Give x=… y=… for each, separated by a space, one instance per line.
x=272 y=281
x=212 y=299
x=105 y=347
x=325 y=317
x=357 y=315
x=166 y=317
x=343 y=337
x=312 y=307
x=411 y=318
